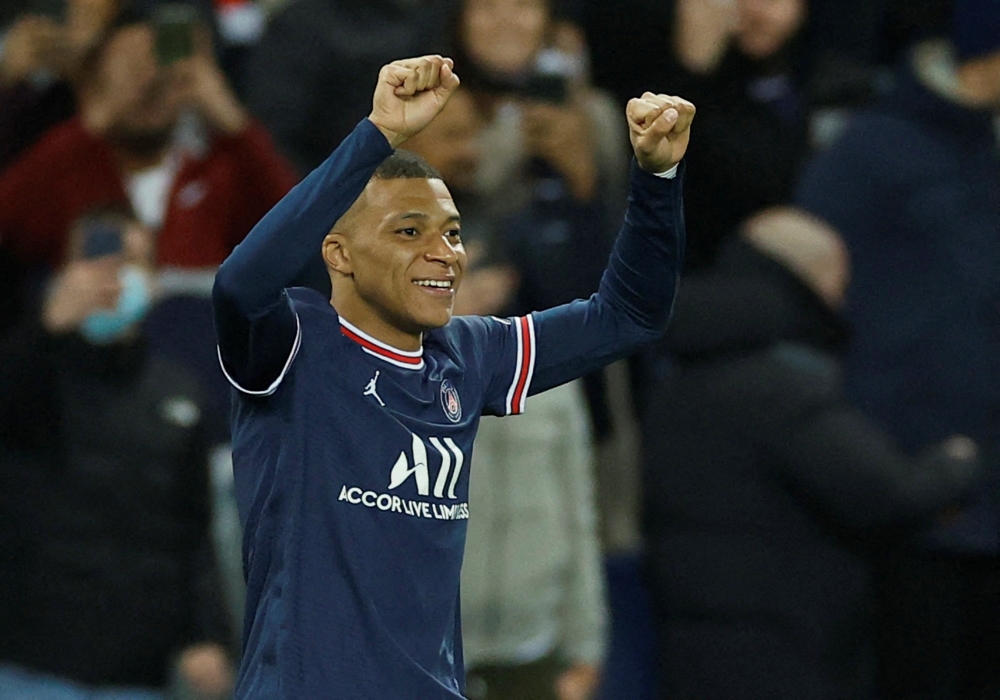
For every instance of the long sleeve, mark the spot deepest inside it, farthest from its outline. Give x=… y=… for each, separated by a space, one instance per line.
x=256 y=327
x=636 y=294
x=830 y=452
x=527 y=355
x=852 y=469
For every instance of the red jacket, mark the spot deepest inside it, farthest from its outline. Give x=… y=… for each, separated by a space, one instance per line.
x=214 y=201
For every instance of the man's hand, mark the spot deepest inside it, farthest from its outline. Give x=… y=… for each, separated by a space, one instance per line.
x=410 y=93
x=578 y=682
x=32 y=44
x=659 y=127
x=85 y=286
x=206 y=669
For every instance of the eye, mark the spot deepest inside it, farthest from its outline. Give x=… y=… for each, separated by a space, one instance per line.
x=455 y=235
x=408 y=231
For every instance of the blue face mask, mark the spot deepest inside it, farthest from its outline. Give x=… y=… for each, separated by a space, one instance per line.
x=105 y=327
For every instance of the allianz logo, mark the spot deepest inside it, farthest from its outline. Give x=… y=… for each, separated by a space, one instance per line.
x=452 y=460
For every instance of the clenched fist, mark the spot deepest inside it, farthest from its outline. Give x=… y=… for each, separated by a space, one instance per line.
x=410 y=93
x=659 y=128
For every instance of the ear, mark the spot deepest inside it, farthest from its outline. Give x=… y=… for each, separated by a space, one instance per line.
x=336 y=254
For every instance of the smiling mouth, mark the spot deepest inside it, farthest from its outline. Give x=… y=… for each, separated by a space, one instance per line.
x=434 y=284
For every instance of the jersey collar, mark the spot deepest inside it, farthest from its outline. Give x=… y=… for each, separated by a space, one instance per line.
x=407 y=359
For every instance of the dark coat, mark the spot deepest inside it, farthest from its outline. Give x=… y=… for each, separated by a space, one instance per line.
x=913 y=186
x=763 y=487
x=751 y=133
x=106 y=569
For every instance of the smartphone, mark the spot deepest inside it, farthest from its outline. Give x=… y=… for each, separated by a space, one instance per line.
x=53 y=9
x=175 y=26
x=101 y=239
x=545 y=87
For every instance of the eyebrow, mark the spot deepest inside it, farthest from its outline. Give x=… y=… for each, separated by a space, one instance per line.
x=455 y=218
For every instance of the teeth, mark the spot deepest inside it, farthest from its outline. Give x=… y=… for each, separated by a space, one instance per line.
x=445 y=284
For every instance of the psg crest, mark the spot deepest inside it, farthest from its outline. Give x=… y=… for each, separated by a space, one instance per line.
x=450 y=402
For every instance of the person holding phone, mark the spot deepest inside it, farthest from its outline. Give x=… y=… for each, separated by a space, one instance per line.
x=527 y=68
x=159 y=128
x=41 y=54
x=109 y=579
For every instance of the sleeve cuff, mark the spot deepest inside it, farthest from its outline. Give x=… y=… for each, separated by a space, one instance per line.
x=669 y=174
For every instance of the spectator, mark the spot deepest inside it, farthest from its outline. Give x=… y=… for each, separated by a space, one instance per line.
x=913 y=188
x=200 y=189
x=302 y=76
x=765 y=488
x=40 y=58
x=533 y=608
x=737 y=59
x=549 y=134
x=104 y=487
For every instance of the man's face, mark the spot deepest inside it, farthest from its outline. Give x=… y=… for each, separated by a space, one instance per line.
x=134 y=87
x=504 y=35
x=765 y=26
x=404 y=255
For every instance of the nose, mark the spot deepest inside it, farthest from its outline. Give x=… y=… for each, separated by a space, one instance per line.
x=441 y=250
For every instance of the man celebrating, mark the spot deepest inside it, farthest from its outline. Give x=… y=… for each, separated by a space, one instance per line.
x=354 y=417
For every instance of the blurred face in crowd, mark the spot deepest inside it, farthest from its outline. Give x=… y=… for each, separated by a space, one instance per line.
x=450 y=142
x=504 y=36
x=807 y=246
x=128 y=82
x=765 y=26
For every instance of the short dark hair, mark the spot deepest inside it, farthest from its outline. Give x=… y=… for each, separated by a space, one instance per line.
x=404 y=164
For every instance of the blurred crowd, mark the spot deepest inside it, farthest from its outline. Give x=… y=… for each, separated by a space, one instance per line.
x=793 y=496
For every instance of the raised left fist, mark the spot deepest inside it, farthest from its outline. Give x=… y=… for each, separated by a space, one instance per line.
x=659 y=127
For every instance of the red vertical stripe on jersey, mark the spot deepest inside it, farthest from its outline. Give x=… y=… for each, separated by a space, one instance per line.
x=523 y=370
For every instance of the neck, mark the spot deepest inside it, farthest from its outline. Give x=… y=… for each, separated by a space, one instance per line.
x=361 y=318
x=133 y=162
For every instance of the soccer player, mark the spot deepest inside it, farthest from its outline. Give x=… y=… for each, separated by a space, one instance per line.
x=354 y=418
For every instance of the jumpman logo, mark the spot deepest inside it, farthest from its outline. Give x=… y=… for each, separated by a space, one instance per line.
x=370 y=390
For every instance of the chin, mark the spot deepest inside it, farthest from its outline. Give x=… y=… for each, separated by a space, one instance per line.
x=435 y=320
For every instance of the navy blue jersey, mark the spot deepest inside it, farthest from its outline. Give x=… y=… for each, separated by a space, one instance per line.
x=352 y=458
